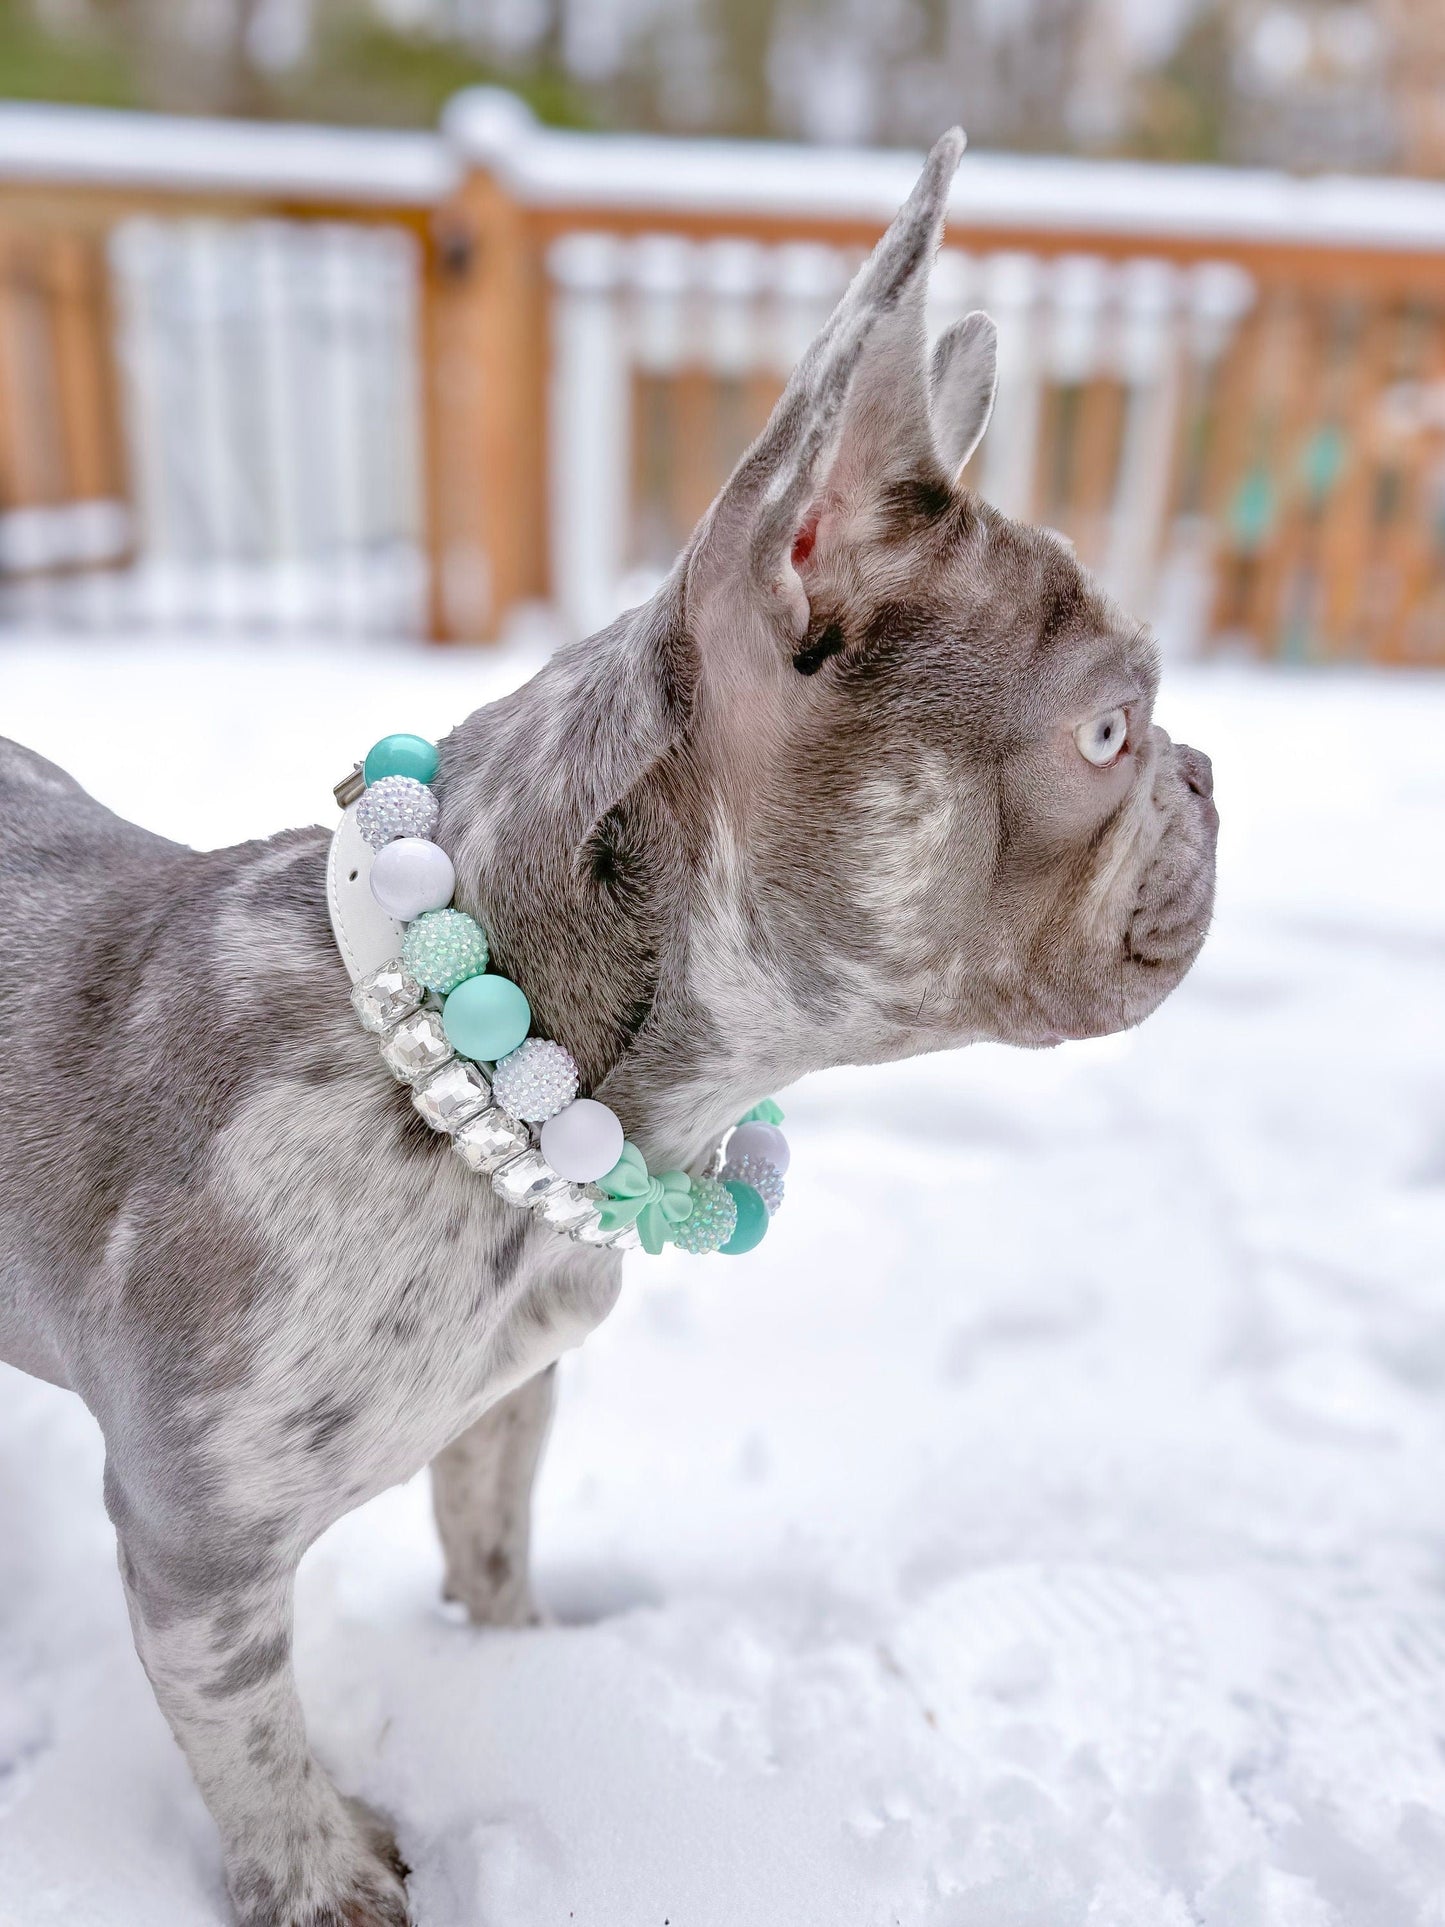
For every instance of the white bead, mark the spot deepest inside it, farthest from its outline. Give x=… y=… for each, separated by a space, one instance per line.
x=583 y=1142
x=763 y=1141
x=411 y=876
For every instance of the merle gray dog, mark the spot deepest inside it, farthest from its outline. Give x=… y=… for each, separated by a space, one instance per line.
x=874 y=773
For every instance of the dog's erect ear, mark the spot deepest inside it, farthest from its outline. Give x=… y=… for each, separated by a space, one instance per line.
x=962 y=384
x=854 y=416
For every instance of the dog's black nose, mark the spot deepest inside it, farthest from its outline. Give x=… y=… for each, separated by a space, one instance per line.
x=1196 y=769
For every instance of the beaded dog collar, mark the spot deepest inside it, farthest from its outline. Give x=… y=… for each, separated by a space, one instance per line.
x=459 y=1036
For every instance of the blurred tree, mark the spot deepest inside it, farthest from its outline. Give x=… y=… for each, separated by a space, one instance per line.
x=1178 y=109
x=37 y=62
x=1297 y=83
x=741 y=35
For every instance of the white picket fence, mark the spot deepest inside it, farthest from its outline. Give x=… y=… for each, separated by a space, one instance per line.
x=268 y=393
x=285 y=382
x=661 y=303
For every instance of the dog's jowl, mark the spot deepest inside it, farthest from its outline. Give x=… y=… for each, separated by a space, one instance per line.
x=875 y=772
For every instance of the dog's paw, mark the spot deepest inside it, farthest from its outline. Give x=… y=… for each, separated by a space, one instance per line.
x=358 y=1882
x=486 y=1604
x=378 y=1836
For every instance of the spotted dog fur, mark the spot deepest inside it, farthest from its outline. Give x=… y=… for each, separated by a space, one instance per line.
x=819 y=801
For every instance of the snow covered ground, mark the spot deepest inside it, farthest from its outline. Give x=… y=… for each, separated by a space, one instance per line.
x=1045 y=1528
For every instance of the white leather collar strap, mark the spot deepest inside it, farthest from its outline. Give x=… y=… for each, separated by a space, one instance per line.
x=365 y=935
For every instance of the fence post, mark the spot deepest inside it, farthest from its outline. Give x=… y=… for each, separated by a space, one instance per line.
x=483 y=355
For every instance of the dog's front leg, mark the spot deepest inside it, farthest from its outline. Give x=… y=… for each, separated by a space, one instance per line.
x=482 y=1497
x=212 y=1624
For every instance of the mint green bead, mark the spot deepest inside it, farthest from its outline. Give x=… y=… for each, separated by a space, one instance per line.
x=410 y=756
x=486 y=1017
x=752 y=1225
x=444 y=947
x=710 y=1223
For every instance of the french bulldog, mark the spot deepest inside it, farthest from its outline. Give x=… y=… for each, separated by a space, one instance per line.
x=875 y=772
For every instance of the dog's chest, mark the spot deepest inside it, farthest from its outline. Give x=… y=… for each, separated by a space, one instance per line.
x=407 y=1298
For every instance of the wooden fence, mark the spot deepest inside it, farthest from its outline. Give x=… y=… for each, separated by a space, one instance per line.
x=298 y=378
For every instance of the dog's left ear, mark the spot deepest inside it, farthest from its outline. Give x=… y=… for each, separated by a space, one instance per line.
x=962 y=382
x=855 y=417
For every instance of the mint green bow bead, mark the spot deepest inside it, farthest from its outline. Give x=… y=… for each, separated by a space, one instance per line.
x=768 y=1112
x=410 y=756
x=752 y=1225
x=657 y=1206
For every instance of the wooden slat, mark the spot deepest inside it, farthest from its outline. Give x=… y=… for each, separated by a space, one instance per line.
x=89 y=427
x=1411 y=549
x=1348 y=526
x=1238 y=399
x=1095 y=466
x=1289 y=409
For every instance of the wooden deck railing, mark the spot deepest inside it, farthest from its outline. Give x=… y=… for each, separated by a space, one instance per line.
x=319 y=378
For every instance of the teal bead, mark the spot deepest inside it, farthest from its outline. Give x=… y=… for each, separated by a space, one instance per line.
x=410 y=756
x=752 y=1225
x=486 y=1017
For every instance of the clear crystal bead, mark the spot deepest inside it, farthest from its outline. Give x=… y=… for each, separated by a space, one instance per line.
x=590 y=1232
x=417 y=1045
x=386 y=996
x=451 y=1095
x=525 y=1179
x=567 y=1207
x=489 y=1139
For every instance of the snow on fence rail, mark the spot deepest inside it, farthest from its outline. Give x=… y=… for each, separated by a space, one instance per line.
x=312 y=377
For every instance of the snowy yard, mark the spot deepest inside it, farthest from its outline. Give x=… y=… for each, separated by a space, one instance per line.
x=1046 y=1527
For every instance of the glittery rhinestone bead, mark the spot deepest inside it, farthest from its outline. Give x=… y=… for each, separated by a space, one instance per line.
x=711 y=1222
x=416 y=1046
x=536 y=1080
x=489 y=1139
x=525 y=1179
x=765 y=1178
x=396 y=806
x=444 y=948
x=386 y=996
x=451 y=1095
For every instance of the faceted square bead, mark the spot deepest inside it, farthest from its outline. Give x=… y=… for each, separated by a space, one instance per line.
x=451 y=1095
x=489 y=1139
x=386 y=996
x=590 y=1232
x=525 y=1179
x=416 y=1046
x=567 y=1207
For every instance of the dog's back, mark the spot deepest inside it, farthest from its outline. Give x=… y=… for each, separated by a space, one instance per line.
x=112 y=974
x=67 y=866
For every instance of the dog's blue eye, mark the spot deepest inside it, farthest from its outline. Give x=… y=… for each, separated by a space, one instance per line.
x=1102 y=739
